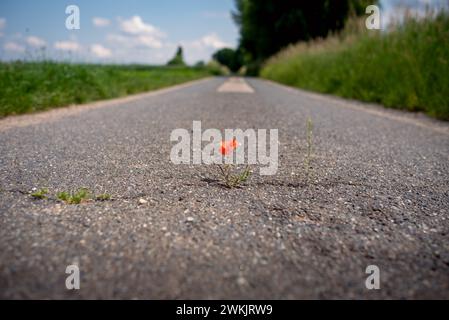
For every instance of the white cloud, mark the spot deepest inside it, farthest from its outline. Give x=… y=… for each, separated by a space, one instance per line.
x=136 y=35
x=203 y=48
x=139 y=49
x=147 y=41
x=100 y=51
x=36 y=42
x=117 y=38
x=210 y=41
x=100 y=22
x=146 y=56
x=67 y=46
x=14 y=47
x=135 y=26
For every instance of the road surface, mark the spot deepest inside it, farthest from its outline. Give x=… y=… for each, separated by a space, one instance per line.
x=378 y=194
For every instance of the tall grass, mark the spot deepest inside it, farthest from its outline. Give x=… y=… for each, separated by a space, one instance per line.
x=32 y=86
x=406 y=67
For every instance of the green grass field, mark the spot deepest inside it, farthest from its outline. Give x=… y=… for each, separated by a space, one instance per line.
x=34 y=86
x=406 y=68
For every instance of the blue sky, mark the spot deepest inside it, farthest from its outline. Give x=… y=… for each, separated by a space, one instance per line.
x=142 y=31
x=145 y=31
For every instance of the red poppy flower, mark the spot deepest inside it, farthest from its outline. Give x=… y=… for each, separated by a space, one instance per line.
x=228 y=146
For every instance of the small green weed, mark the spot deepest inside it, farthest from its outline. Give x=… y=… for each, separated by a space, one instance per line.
x=82 y=195
x=233 y=180
x=40 y=194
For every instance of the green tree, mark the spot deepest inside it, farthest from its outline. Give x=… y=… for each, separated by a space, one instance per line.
x=178 y=59
x=230 y=58
x=199 y=64
x=266 y=26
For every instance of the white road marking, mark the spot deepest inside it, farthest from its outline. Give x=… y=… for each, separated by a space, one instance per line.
x=235 y=84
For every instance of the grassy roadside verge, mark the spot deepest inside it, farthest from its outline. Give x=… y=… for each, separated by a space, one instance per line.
x=35 y=86
x=406 y=68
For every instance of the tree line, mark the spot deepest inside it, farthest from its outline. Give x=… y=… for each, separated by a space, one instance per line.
x=267 y=26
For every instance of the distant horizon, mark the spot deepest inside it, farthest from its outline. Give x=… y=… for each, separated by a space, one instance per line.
x=135 y=32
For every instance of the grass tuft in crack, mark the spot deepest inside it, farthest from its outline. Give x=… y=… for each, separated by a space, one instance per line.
x=82 y=195
x=40 y=194
x=232 y=180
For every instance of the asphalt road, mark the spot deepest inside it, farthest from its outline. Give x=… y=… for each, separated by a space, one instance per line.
x=378 y=195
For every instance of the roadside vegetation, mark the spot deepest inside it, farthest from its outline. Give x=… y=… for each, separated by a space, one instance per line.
x=35 y=86
x=406 y=67
x=271 y=25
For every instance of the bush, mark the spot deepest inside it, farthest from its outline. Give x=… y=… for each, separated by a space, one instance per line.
x=217 y=69
x=230 y=58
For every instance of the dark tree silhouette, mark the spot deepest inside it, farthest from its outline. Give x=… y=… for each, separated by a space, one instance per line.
x=230 y=58
x=178 y=59
x=266 y=26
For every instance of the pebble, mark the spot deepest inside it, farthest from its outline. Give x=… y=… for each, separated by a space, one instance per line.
x=241 y=281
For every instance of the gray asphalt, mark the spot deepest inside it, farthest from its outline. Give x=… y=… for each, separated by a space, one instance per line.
x=378 y=195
